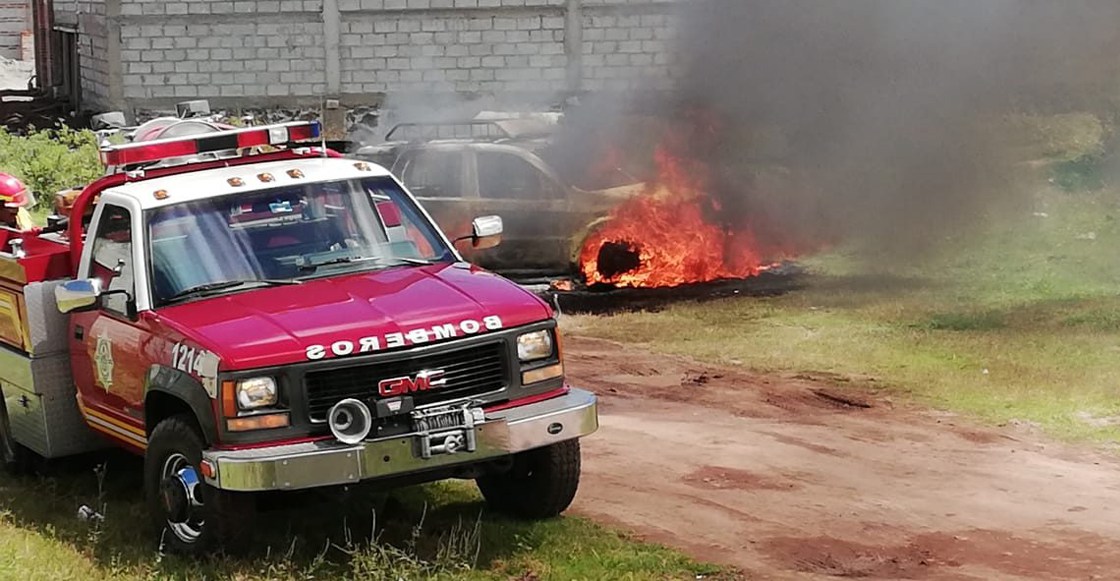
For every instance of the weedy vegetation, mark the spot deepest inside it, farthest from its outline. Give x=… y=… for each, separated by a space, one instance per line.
x=49 y=161
x=439 y=531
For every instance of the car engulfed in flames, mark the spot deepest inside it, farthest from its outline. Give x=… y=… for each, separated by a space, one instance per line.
x=675 y=233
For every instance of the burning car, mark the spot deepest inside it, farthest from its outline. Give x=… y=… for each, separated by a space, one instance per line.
x=503 y=165
x=642 y=204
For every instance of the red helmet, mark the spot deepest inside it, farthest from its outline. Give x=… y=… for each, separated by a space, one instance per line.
x=13 y=193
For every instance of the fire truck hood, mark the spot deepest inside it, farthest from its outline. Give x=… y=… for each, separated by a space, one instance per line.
x=353 y=315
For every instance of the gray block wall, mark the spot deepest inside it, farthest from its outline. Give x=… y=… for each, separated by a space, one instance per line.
x=15 y=17
x=66 y=12
x=298 y=52
x=100 y=67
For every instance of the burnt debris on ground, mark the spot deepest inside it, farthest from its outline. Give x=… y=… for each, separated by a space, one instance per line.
x=604 y=299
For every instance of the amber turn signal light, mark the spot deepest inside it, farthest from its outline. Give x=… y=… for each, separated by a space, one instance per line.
x=262 y=422
x=542 y=374
x=229 y=401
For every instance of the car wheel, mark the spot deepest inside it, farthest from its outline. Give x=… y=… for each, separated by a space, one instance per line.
x=540 y=484
x=193 y=517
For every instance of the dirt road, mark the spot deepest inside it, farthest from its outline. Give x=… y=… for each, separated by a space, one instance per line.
x=792 y=478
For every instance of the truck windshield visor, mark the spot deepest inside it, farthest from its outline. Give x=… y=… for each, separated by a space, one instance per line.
x=289 y=233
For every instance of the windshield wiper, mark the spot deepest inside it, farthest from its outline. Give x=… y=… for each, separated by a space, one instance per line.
x=313 y=266
x=210 y=287
x=417 y=261
x=351 y=259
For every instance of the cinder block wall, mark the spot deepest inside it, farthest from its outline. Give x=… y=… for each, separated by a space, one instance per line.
x=100 y=68
x=66 y=12
x=291 y=53
x=15 y=17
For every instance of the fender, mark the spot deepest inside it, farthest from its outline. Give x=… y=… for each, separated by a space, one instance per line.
x=580 y=238
x=187 y=389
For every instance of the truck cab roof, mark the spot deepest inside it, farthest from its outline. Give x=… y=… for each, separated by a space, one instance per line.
x=198 y=185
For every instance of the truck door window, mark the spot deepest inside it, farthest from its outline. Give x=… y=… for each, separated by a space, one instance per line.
x=506 y=176
x=112 y=245
x=435 y=174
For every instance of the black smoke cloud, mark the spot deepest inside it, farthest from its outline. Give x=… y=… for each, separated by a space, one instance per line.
x=879 y=110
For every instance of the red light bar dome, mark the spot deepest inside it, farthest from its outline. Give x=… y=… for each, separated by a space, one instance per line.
x=160 y=149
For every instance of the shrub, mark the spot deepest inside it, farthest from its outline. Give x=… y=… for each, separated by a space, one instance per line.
x=1058 y=138
x=49 y=161
x=1085 y=173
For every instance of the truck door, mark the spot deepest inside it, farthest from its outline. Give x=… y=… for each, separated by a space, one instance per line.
x=533 y=208
x=107 y=345
x=438 y=180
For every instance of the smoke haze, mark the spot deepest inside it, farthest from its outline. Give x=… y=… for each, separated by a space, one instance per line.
x=880 y=110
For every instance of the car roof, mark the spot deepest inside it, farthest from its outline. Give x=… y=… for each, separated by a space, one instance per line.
x=209 y=183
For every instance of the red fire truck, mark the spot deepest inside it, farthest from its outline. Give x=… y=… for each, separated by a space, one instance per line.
x=251 y=312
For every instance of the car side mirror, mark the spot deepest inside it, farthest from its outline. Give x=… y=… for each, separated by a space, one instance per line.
x=78 y=295
x=486 y=232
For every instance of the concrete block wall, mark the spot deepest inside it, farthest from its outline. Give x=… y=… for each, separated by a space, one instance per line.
x=297 y=52
x=66 y=12
x=99 y=63
x=15 y=17
x=213 y=49
x=626 y=44
x=497 y=47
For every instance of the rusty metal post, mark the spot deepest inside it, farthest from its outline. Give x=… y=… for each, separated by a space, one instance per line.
x=42 y=15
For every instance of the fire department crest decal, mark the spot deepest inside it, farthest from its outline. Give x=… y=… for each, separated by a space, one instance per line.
x=103 y=359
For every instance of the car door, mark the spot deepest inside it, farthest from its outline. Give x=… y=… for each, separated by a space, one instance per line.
x=533 y=208
x=438 y=179
x=107 y=345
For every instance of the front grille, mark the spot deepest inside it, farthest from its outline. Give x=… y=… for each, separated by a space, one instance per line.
x=470 y=371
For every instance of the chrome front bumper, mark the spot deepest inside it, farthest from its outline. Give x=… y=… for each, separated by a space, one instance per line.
x=327 y=463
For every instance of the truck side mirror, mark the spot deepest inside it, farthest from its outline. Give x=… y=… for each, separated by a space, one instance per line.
x=486 y=232
x=77 y=295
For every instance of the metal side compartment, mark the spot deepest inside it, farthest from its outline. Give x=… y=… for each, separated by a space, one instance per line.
x=37 y=386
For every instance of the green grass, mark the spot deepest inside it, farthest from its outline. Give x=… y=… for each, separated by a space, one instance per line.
x=1019 y=322
x=437 y=531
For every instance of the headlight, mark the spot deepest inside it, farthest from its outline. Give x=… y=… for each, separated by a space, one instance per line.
x=535 y=345
x=257 y=392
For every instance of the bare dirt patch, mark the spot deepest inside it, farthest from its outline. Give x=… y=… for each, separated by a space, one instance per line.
x=813 y=476
x=719 y=478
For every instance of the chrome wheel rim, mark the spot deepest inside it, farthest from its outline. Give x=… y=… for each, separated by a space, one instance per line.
x=184 y=513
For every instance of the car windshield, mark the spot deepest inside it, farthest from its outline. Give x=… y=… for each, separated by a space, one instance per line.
x=285 y=235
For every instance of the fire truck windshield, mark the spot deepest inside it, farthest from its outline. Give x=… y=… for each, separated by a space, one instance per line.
x=290 y=233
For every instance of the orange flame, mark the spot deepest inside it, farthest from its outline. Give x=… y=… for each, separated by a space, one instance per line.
x=666 y=237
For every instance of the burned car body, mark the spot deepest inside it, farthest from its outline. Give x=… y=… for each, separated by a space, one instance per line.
x=501 y=166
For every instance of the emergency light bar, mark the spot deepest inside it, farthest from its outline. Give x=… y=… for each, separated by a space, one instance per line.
x=275 y=135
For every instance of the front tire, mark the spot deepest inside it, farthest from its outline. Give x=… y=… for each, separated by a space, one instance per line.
x=193 y=517
x=541 y=483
